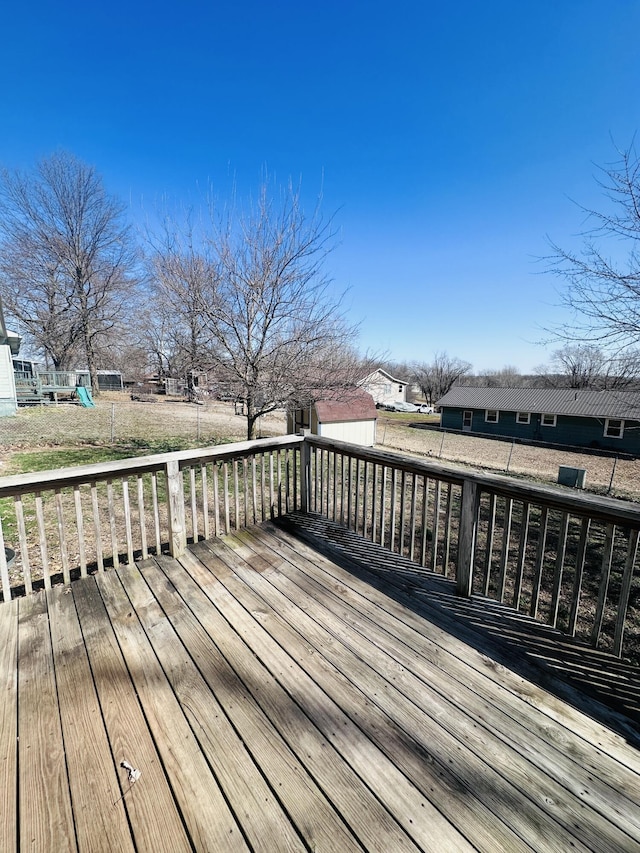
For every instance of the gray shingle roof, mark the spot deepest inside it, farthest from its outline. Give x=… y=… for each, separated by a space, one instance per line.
x=552 y=401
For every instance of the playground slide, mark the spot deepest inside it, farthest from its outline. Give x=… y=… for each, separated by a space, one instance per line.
x=84 y=395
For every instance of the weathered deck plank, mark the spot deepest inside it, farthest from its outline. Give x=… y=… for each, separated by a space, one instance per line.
x=276 y=700
x=493 y=800
x=585 y=771
x=8 y=725
x=156 y=823
x=92 y=776
x=45 y=813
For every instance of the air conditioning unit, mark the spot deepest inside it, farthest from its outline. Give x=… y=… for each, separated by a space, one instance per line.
x=574 y=477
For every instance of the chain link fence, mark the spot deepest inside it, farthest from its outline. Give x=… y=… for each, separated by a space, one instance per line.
x=167 y=424
x=118 y=420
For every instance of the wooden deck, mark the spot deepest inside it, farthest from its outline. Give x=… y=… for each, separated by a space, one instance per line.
x=274 y=699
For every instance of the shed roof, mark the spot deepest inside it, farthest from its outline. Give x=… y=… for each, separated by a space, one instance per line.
x=353 y=405
x=584 y=402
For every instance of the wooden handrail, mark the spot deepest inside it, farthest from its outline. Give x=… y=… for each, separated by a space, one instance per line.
x=545 y=550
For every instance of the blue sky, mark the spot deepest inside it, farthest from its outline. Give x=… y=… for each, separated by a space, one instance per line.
x=448 y=138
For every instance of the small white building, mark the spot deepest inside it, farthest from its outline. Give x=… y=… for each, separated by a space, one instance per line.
x=350 y=418
x=384 y=388
x=9 y=346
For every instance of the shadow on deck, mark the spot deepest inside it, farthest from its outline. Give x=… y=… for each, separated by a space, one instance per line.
x=594 y=682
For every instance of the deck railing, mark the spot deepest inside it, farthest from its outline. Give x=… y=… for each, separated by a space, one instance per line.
x=561 y=556
x=69 y=521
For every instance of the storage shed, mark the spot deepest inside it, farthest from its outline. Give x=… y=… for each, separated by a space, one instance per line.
x=350 y=417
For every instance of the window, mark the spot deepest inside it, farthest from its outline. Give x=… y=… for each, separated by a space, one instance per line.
x=491 y=416
x=548 y=420
x=400 y=389
x=613 y=428
x=523 y=417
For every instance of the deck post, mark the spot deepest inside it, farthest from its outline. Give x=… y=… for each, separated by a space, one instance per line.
x=305 y=473
x=467 y=537
x=175 y=507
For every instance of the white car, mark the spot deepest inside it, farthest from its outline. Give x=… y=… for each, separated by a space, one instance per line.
x=401 y=406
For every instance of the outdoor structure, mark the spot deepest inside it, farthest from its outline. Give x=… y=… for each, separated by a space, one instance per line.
x=351 y=418
x=606 y=420
x=9 y=346
x=300 y=644
x=384 y=388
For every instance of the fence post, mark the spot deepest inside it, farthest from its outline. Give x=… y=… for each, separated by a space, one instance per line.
x=305 y=473
x=175 y=507
x=467 y=537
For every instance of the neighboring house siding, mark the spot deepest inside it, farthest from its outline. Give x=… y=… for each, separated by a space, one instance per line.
x=384 y=388
x=570 y=430
x=8 y=404
x=356 y=432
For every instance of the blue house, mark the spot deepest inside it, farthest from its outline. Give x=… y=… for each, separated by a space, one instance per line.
x=606 y=420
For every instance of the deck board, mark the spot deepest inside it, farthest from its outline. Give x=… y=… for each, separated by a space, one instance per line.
x=278 y=699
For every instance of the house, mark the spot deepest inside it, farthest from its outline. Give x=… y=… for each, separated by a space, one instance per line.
x=351 y=417
x=384 y=388
x=608 y=420
x=9 y=346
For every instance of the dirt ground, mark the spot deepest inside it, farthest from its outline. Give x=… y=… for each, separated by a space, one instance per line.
x=118 y=419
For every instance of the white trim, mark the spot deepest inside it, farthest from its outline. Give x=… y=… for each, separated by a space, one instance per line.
x=608 y=421
x=491 y=420
x=521 y=415
x=543 y=416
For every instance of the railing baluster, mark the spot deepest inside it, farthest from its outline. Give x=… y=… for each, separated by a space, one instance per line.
x=491 y=529
x=80 y=530
x=412 y=520
x=227 y=525
x=254 y=491
x=625 y=591
x=446 y=545
x=127 y=520
x=42 y=538
x=522 y=555
x=403 y=512
x=216 y=498
x=374 y=502
x=194 y=503
x=236 y=494
x=112 y=524
x=578 y=576
x=383 y=503
x=141 y=518
x=394 y=492
x=205 y=501
x=97 y=528
x=605 y=573
x=4 y=568
x=436 y=526
x=504 y=553
x=62 y=538
x=425 y=521
x=23 y=544
x=365 y=498
x=559 y=569
x=156 y=511
x=537 y=577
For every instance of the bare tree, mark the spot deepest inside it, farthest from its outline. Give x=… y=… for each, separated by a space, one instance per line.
x=66 y=258
x=440 y=375
x=182 y=281
x=279 y=334
x=589 y=366
x=602 y=289
x=507 y=377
